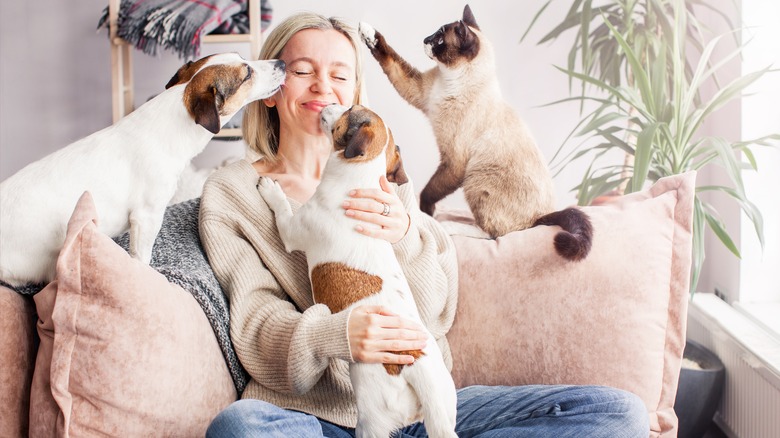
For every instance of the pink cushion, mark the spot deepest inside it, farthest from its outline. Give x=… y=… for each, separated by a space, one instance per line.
x=17 y=358
x=617 y=318
x=123 y=351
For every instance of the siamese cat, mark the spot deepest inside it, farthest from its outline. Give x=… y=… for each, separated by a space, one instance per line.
x=484 y=146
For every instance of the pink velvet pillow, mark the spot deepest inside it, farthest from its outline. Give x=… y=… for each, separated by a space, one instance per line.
x=17 y=358
x=617 y=318
x=123 y=351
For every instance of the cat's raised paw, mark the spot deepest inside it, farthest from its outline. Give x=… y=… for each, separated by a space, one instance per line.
x=367 y=34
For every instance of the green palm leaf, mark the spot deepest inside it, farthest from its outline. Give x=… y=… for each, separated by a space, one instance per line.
x=630 y=58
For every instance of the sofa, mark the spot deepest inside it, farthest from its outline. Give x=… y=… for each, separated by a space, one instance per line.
x=117 y=348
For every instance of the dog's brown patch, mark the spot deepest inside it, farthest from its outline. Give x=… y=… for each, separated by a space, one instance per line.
x=215 y=90
x=395 y=168
x=338 y=286
x=363 y=135
x=186 y=72
x=360 y=133
x=395 y=369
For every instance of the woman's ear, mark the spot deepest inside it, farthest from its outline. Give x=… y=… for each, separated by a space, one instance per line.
x=269 y=102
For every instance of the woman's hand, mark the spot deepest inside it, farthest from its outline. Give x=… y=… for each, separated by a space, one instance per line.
x=380 y=207
x=375 y=333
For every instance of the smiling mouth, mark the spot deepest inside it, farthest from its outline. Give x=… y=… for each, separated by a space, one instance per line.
x=317 y=105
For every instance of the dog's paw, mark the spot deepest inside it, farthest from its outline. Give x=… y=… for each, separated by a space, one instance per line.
x=368 y=35
x=272 y=192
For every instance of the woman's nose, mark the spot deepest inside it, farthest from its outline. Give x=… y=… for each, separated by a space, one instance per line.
x=322 y=84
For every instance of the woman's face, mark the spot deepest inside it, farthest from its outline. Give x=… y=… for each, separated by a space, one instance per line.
x=320 y=71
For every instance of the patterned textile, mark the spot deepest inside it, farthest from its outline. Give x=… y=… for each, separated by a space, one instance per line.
x=178 y=25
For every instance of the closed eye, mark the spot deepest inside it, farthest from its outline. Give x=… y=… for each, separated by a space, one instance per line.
x=339 y=74
x=301 y=73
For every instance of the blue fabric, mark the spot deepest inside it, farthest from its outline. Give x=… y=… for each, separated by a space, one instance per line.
x=483 y=411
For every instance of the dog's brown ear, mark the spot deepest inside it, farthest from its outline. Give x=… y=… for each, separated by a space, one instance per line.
x=203 y=108
x=174 y=80
x=186 y=72
x=359 y=142
x=396 y=172
x=179 y=75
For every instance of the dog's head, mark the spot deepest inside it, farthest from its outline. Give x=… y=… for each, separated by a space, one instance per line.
x=363 y=136
x=217 y=86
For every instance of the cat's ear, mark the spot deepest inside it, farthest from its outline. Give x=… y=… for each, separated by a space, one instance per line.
x=468 y=17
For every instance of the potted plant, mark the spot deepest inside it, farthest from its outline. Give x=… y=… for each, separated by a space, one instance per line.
x=699 y=391
x=640 y=95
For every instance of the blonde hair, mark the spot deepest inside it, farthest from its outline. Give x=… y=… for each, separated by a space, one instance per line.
x=260 y=125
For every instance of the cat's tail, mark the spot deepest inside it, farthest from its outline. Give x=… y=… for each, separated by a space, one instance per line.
x=574 y=241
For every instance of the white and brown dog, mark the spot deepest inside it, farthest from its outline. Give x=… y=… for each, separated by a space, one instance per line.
x=348 y=269
x=131 y=168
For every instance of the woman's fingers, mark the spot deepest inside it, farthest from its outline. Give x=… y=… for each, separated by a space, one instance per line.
x=382 y=208
x=377 y=335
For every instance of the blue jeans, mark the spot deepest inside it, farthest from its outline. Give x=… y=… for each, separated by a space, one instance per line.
x=483 y=411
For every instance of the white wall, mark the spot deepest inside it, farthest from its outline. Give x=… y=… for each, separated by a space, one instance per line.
x=759 y=275
x=55 y=82
x=721 y=267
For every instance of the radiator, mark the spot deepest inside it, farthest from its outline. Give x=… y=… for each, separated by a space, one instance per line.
x=750 y=407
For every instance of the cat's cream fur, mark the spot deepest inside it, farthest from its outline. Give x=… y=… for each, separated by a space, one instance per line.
x=484 y=145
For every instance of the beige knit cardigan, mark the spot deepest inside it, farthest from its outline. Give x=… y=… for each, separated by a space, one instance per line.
x=295 y=351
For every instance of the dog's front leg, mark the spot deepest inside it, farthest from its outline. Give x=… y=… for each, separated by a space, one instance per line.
x=274 y=196
x=144 y=227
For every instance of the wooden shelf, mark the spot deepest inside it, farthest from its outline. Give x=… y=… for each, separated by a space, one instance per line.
x=226 y=38
x=122 y=62
x=229 y=132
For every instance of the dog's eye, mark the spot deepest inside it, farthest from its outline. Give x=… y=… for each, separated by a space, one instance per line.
x=248 y=74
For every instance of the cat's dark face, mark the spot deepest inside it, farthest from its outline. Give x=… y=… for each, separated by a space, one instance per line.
x=454 y=42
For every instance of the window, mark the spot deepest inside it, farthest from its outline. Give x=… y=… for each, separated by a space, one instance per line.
x=759 y=282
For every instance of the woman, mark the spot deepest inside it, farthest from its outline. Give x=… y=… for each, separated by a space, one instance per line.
x=297 y=352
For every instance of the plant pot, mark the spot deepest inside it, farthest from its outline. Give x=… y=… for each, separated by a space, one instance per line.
x=698 y=391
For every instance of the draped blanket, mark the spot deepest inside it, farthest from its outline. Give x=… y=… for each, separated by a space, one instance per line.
x=178 y=25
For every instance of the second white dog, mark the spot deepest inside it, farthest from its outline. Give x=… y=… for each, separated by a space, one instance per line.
x=131 y=168
x=347 y=269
